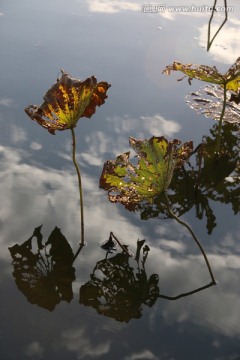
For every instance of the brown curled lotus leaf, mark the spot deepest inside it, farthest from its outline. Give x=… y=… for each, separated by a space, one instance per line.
x=67 y=101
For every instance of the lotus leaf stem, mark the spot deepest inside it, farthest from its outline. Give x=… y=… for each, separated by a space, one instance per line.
x=193 y=235
x=82 y=242
x=221 y=118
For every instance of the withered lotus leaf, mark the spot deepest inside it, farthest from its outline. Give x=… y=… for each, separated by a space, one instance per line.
x=209 y=74
x=67 y=101
x=157 y=159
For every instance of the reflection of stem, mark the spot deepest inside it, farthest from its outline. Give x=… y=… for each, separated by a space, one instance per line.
x=187 y=293
x=124 y=248
x=78 y=252
x=193 y=235
x=82 y=243
x=221 y=118
x=209 y=42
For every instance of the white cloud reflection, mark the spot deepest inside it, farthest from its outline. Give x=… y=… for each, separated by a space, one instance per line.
x=157 y=125
x=216 y=308
x=112 y=6
x=76 y=341
x=7 y=102
x=35 y=145
x=143 y=355
x=226 y=46
x=17 y=134
x=151 y=125
x=31 y=196
x=99 y=142
x=97 y=145
x=34 y=350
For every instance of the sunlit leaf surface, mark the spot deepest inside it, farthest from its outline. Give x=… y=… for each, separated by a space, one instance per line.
x=67 y=101
x=209 y=74
x=157 y=159
x=209 y=100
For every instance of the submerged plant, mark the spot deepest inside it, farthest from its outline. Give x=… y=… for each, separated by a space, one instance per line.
x=228 y=81
x=132 y=185
x=64 y=104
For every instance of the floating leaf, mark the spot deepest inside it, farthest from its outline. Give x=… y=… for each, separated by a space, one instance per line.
x=67 y=101
x=209 y=74
x=157 y=158
x=208 y=101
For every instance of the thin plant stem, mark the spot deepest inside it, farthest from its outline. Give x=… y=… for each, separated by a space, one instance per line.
x=221 y=118
x=78 y=252
x=210 y=41
x=187 y=293
x=82 y=242
x=194 y=237
x=124 y=248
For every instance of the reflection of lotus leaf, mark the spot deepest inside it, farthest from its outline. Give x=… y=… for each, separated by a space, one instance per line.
x=209 y=74
x=209 y=101
x=220 y=177
x=44 y=277
x=157 y=159
x=116 y=291
x=204 y=180
x=67 y=101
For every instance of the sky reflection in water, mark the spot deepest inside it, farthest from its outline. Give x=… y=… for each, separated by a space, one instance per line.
x=118 y=43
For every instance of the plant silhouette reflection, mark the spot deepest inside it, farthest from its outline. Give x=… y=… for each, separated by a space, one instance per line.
x=203 y=178
x=118 y=290
x=44 y=275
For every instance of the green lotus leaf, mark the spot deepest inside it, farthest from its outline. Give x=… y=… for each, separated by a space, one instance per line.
x=157 y=159
x=232 y=76
x=209 y=74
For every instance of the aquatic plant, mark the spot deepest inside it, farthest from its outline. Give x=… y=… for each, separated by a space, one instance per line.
x=64 y=104
x=228 y=81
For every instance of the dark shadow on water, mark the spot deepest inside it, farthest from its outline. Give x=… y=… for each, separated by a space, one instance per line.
x=117 y=288
x=44 y=272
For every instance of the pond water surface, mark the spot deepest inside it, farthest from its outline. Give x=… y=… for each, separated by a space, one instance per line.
x=117 y=308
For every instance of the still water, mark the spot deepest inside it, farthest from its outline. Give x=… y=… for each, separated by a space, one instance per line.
x=119 y=308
